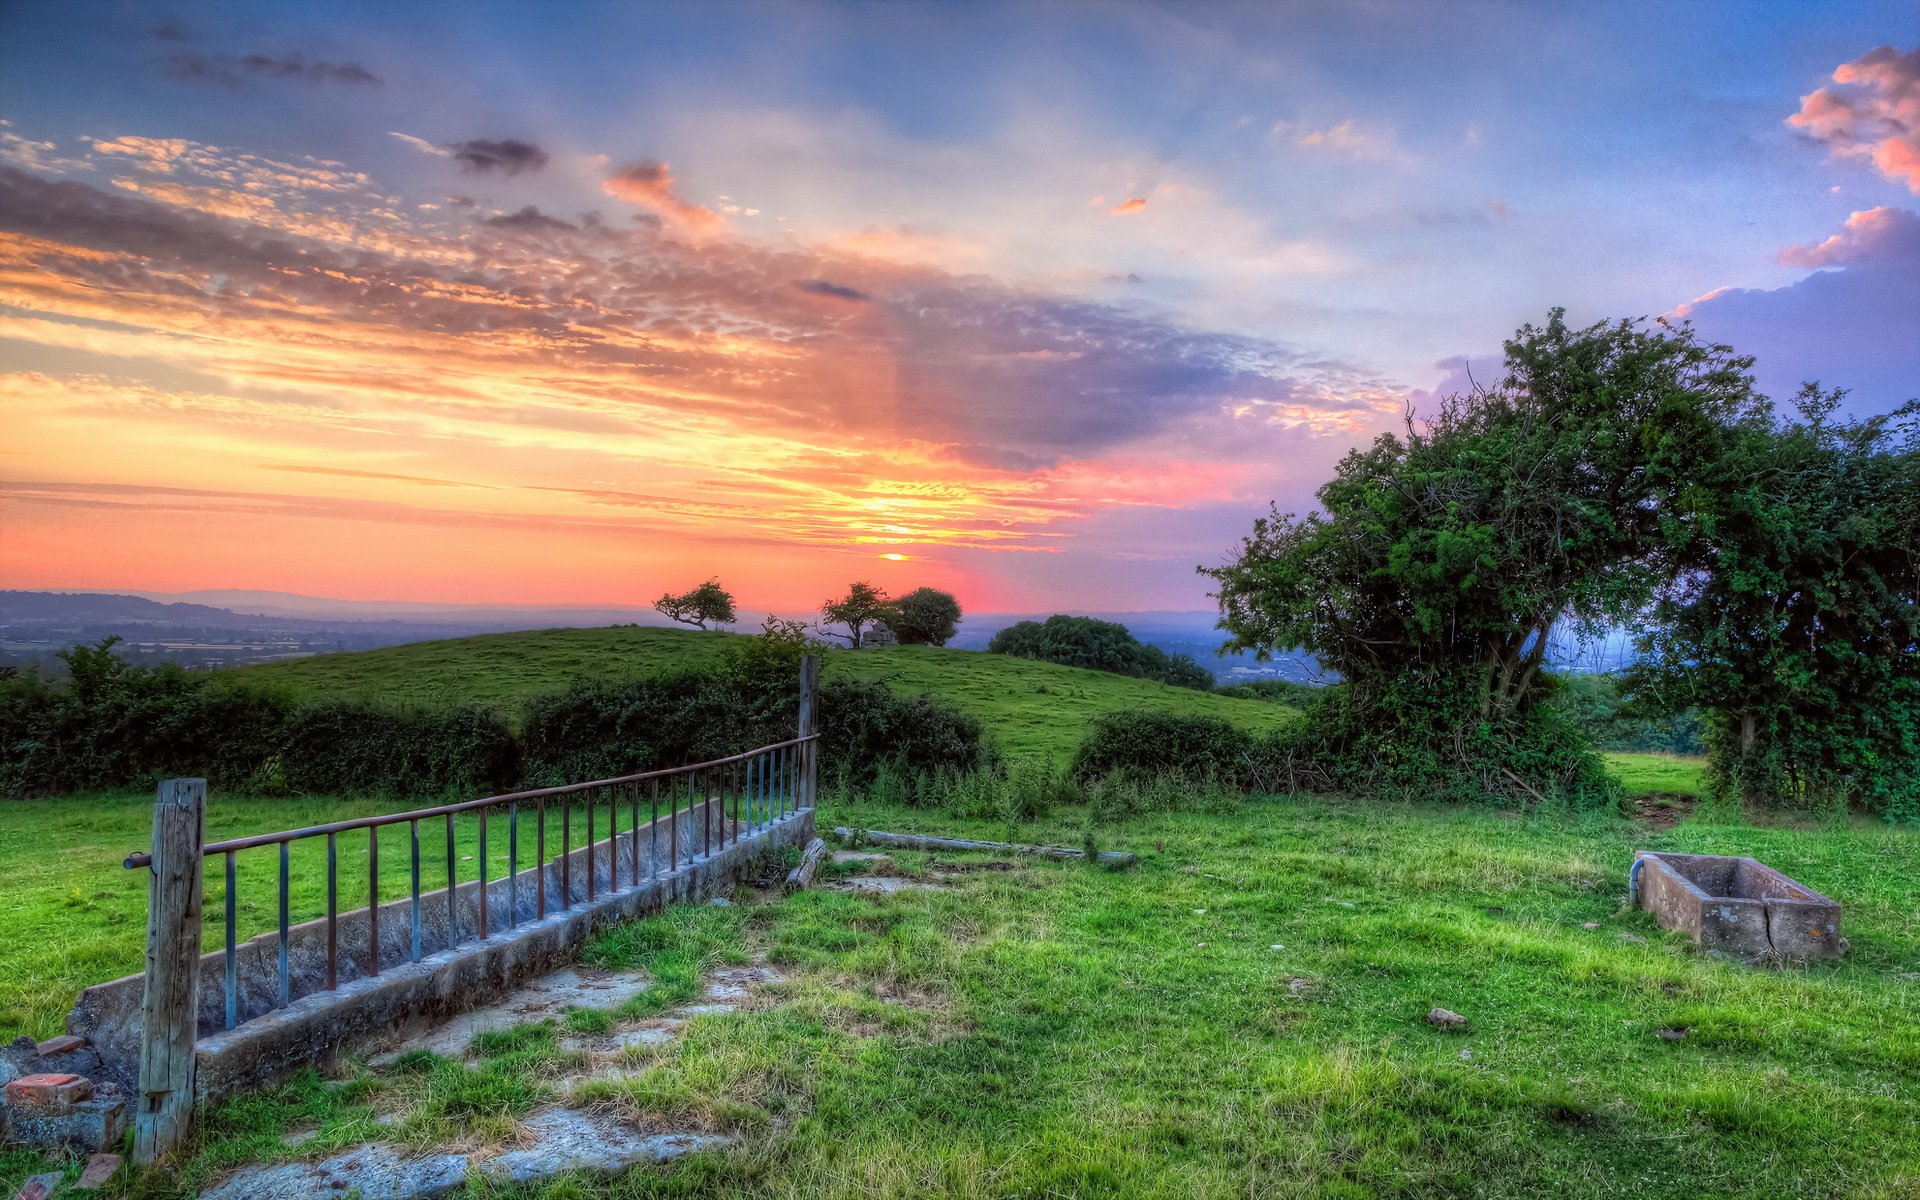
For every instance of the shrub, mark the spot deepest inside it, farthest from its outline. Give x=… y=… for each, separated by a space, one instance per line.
x=1098 y=646
x=863 y=725
x=1143 y=744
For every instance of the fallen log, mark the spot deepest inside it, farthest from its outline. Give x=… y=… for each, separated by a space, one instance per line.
x=802 y=876
x=915 y=841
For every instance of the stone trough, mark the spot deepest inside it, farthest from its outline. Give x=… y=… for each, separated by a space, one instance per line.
x=1736 y=904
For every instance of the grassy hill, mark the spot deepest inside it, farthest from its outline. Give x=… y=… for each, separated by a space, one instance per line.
x=1030 y=708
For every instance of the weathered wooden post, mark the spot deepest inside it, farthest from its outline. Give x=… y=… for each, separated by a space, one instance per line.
x=170 y=1015
x=809 y=725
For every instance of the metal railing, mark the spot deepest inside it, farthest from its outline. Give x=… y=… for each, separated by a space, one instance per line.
x=749 y=791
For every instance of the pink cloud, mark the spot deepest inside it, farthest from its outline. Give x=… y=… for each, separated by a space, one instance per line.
x=1866 y=235
x=1137 y=204
x=1872 y=113
x=650 y=185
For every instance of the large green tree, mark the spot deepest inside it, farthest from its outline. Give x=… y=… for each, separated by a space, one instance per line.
x=924 y=617
x=1794 y=619
x=858 y=610
x=1445 y=560
x=708 y=602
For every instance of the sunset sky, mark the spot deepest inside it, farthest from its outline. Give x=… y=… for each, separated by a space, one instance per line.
x=1041 y=303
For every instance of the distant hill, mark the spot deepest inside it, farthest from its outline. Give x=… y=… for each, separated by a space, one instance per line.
x=1029 y=707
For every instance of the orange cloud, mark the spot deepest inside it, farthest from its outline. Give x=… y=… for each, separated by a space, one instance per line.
x=651 y=186
x=1136 y=204
x=1873 y=113
x=1863 y=233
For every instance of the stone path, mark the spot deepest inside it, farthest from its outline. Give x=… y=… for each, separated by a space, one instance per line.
x=553 y=1140
x=558 y=1138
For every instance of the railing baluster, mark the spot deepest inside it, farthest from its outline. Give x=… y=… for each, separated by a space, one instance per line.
x=673 y=823
x=333 y=913
x=704 y=781
x=633 y=794
x=286 y=968
x=233 y=964
x=483 y=874
x=413 y=837
x=566 y=851
x=373 y=899
x=513 y=865
x=589 y=854
x=453 y=892
x=613 y=837
x=653 y=835
x=540 y=859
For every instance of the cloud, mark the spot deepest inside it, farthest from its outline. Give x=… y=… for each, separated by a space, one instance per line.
x=1873 y=112
x=1345 y=138
x=231 y=70
x=1877 y=233
x=528 y=219
x=508 y=156
x=1137 y=204
x=1846 y=325
x=960 y=414
x=421 y=144
x=651 y=185
x=821 y=287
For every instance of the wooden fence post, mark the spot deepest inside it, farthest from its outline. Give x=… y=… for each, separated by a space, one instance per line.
x=170 y=1014
x=809 y=725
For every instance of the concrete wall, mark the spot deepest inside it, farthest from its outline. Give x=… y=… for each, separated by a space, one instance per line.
x=269 y=1043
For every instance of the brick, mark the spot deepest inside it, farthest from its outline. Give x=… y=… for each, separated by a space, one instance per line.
x=100 y=1168
x=39 y=1187
x=48 y=1091
x=66 y=1043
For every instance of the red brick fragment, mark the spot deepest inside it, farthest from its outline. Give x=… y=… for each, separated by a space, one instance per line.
x=66 y=1043
x=100 y=1168
x=39 y=1187
x=47 y=1091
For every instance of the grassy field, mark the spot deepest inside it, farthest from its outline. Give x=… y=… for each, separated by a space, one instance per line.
x=1031 y=708
x=1241 y=1015
x=1658 y=774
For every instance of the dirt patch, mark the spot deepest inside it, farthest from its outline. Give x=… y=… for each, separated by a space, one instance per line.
x=1662 y=810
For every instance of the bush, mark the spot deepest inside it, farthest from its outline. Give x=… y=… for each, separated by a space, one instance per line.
x=1274 y=691
x=1146 y=745
x=1098 y=646
x=114 y=725
x=864 y=725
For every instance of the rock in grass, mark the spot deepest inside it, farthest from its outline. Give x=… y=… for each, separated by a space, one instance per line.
x=39 y=1187
x=1446 y=1020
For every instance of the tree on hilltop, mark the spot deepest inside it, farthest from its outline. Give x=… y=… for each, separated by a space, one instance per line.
x=708 y=602
x=924 y=617
x=859 y=609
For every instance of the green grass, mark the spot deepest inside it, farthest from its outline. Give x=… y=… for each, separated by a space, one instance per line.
x=1658 y=774
x=1030 y=708
x=71 y=915
x=1241 y=1015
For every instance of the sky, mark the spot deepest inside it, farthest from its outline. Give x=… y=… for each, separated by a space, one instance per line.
x=1039 y=303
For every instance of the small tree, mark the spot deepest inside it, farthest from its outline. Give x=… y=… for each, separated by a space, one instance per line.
x=924 y=617
x=859 y=608
x=708 y=602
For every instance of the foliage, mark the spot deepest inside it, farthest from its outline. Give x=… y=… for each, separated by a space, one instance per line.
x=1277 y=691
x=1795 y=622
x=861 y=607
x=1030 y=708
x=708 y=602
x=1596 y=705
x=864 y=725
x=1444 y=560
x=1099 y=646
x=924 y=617
x=1148 y=744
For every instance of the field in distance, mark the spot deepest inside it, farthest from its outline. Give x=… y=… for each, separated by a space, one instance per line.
x=1029 y=708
